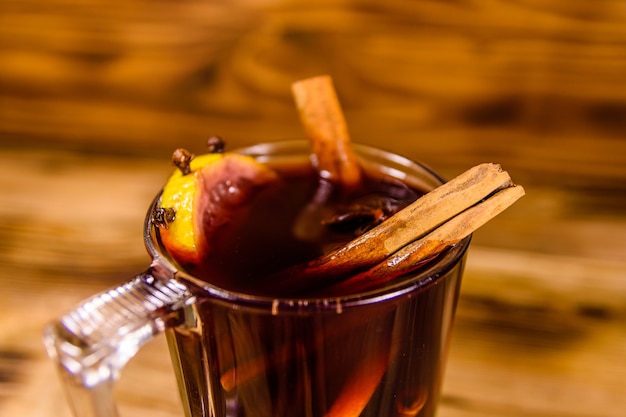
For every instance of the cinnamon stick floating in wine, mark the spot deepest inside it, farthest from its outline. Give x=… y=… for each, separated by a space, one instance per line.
x=326 y=128
x=424 y=215
x=448 y=234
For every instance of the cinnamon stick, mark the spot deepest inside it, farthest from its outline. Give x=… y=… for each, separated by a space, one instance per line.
x=448 y=234
x=326 y=128
x=406 y=226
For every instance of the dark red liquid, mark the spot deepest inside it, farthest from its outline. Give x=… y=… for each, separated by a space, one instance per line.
x=378 y=359
x=261 y=238
x=240 y=357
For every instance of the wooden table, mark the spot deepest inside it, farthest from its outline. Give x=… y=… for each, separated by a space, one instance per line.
x=94 y=97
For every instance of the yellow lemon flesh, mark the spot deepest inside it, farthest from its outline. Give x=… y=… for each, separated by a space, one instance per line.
x=203 y=199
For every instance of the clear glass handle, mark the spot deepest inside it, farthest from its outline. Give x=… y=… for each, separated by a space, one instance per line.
x=92 y=344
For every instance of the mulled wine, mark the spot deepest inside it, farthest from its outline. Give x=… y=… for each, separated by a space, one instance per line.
x=259 y=352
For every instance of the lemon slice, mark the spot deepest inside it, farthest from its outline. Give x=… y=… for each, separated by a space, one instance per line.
x=204 y=198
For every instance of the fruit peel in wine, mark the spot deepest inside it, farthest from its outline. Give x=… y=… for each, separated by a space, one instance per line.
x=202 y=194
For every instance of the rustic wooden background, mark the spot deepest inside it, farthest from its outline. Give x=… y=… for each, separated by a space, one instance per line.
x=94 y=95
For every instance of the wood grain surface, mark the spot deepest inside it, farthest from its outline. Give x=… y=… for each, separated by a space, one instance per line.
x=95 y=95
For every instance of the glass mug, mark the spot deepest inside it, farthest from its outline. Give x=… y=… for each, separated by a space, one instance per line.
x=374 y=354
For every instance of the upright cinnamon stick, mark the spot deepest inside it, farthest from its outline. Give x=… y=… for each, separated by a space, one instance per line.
x=325 y=126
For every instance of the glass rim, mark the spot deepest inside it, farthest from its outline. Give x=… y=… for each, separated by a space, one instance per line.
x=418 y=281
